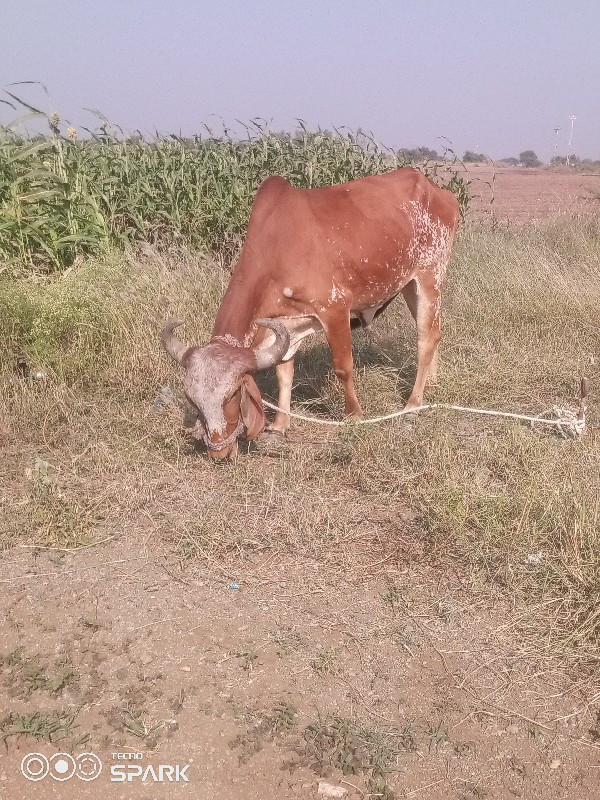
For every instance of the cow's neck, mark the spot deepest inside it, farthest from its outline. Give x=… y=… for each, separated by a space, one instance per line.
x=240 y=305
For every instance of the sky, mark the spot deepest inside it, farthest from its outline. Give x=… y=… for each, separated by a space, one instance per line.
x=494 y=76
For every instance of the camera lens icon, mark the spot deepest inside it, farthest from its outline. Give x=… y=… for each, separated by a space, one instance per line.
x=62 y=766
x=35 y=766
x=89 y=766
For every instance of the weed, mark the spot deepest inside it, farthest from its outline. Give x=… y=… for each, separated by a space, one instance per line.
x=135 y=722
x=176 y=702
x=534 y=731
x=49 y=727
x=517 y=766
x=32 y=677
x=394 y=599
x=471 y=791
x=42 y=482
x=380 y=789
x=263 y=727
x=324 y=662
x=281 y=718
x=15 y=657
x=334 y=743
x=248 y=658
x=437 y=736
x=286 y=641
x=407 y=738
x=462 y=748
x=26 y=675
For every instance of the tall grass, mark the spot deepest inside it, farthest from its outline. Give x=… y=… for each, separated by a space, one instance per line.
x=61 y=196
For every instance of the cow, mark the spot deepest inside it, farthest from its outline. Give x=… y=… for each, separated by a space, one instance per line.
x=318 y=260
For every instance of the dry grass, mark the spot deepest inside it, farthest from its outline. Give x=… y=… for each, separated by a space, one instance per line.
x=513 y=507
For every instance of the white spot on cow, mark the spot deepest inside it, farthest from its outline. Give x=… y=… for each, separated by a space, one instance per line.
x=429 y=247
x=288 y=292
x=230 y=340
x=336 y=293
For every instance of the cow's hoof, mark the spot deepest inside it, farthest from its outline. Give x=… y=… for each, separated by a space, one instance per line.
x=271 y=441
x=410 y=415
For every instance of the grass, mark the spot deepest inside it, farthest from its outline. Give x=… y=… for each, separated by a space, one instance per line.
x=52 y=728
x=520 y=327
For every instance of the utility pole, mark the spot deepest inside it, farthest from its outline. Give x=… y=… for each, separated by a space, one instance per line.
x=556 y=130
x=572 y=118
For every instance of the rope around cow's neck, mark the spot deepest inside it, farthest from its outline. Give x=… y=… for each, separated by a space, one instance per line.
x=568 y=422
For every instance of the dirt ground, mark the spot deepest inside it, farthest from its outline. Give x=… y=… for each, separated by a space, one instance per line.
x=518 y=195
x=273 y=677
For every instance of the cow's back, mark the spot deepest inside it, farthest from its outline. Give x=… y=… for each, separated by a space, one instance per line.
x=282 y=210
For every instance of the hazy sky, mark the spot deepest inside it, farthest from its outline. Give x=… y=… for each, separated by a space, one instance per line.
x=494 y=76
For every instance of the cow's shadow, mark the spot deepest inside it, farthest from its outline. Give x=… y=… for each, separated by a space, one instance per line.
x=313 y=367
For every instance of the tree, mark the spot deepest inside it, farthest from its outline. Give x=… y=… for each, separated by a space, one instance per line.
x=510 y=161
x=529 y=159
x=471 y=157
x=418 y=154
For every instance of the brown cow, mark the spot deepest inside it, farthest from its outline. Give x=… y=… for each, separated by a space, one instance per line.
x=314 y=260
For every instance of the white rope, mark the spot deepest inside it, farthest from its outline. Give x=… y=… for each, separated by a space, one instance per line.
x=568 y=422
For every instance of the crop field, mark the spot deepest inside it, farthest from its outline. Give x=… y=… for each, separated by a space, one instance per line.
x=404 y=610
x=516 y=196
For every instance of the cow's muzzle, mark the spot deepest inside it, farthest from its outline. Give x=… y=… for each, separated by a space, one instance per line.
x=224 y=448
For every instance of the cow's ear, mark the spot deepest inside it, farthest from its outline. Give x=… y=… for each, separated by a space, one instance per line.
x=252 y=408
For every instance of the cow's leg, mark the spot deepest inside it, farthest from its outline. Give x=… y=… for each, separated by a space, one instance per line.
x=285 y=378
x=423 y=298
x=339 y=338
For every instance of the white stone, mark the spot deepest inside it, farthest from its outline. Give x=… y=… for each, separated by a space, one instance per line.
x=329 y=790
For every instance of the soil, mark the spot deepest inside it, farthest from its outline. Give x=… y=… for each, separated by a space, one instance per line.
x=271 y=677
x=519 y=195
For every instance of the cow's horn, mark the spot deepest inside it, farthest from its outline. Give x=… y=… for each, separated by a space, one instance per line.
x=173 y=346
x=272 y=355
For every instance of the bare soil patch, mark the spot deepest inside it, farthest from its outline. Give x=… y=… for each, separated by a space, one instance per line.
x=519 y=195
x=388 y=680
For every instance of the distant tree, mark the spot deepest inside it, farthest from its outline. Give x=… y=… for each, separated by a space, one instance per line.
x=511 y=161
x=416 y=154
x=427 y=154
x=470 y=157
x=575 y=162
x=529 y=159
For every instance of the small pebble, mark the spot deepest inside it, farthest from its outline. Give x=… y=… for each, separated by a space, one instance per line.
x=329 y=790
x=186 y=669
x=512 y=729
x=555 y=763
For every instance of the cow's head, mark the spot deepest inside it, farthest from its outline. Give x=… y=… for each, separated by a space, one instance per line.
x=219 y=385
